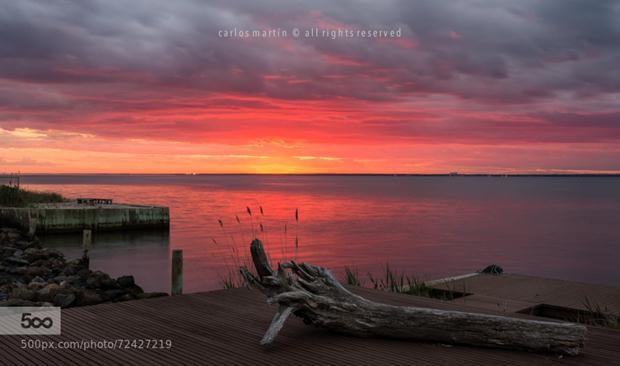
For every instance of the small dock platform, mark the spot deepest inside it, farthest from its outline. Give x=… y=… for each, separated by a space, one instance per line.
x=533 y=295
x=224 y=328
x=97 y=214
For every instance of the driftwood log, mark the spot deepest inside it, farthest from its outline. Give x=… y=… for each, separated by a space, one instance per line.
x=313 y=294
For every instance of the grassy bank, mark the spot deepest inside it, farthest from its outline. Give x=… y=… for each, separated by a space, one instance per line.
x=16 y=197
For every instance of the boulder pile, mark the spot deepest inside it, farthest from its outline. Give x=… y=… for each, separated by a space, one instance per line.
x=31 y=275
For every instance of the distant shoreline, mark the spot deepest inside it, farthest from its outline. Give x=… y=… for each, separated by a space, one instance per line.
x=334 y=174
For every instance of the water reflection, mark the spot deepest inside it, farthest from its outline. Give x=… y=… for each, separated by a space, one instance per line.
x=428 y=227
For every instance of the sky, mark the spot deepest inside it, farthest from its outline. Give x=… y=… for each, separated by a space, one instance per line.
x=473 y=86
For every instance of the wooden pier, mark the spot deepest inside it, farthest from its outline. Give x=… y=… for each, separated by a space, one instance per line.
x=224 y=328
x=88 y=213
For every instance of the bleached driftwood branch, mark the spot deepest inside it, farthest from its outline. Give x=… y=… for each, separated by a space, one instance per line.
x=313 y=294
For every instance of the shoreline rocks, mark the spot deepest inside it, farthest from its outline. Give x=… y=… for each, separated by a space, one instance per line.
x=31 y=275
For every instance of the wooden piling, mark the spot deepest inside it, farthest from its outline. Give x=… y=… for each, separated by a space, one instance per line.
x=177 y=272
x=32 y=227
x=87 y=240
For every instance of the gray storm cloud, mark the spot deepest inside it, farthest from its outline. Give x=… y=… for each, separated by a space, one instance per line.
x=494 y=53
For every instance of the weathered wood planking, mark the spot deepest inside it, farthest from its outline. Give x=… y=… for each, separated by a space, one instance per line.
x=222 y=328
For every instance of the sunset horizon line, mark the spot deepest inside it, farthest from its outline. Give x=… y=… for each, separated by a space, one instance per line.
x=492 y=174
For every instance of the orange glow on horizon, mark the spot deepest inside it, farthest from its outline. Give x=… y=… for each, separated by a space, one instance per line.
x=414 y=88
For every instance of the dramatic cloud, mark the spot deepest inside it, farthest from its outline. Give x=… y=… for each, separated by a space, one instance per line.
x=464 y=77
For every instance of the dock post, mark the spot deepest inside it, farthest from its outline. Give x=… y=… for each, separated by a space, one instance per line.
x=87 y=239
x=32 y=227
x=177 y=272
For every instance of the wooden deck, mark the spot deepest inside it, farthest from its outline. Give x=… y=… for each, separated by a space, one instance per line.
x=224 y=328
x=513 y=292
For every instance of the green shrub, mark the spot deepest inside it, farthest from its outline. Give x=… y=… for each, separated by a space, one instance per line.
x=16 y=197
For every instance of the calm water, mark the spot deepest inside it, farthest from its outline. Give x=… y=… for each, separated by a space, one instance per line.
x=427 y=226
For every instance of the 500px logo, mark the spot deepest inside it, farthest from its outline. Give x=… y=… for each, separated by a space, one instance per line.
x=30 y=320
x=34 y=322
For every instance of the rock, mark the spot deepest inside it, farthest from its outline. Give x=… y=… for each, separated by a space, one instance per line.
x=70 y=269
x=126 y=281
x=35 y=271
x=109 y=295
x=64 y=300
x=48 y=292
x=37 y=279
x=36 y=283
x=101 y=280
x=109 y=283
x=33 y=254
x=25 y=244
x=73 y=280
x=75 y=266
x=12 y=260
x=83 y=273
x=8 y=251
x=89 y=297
x=52 y=279
x=125 y=297
x=53 y=264
x=93 y=280
x=17 y=270
x=19 y=302
x=23 y=293
x=59 y=279
x=134 y=290
x=493 y=269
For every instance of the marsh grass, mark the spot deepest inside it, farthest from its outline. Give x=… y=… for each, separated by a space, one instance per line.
x=389 y=280
x=233 y=280
x=598 y=315
x=17 y=197
x=352 y=277
x=257 y=229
